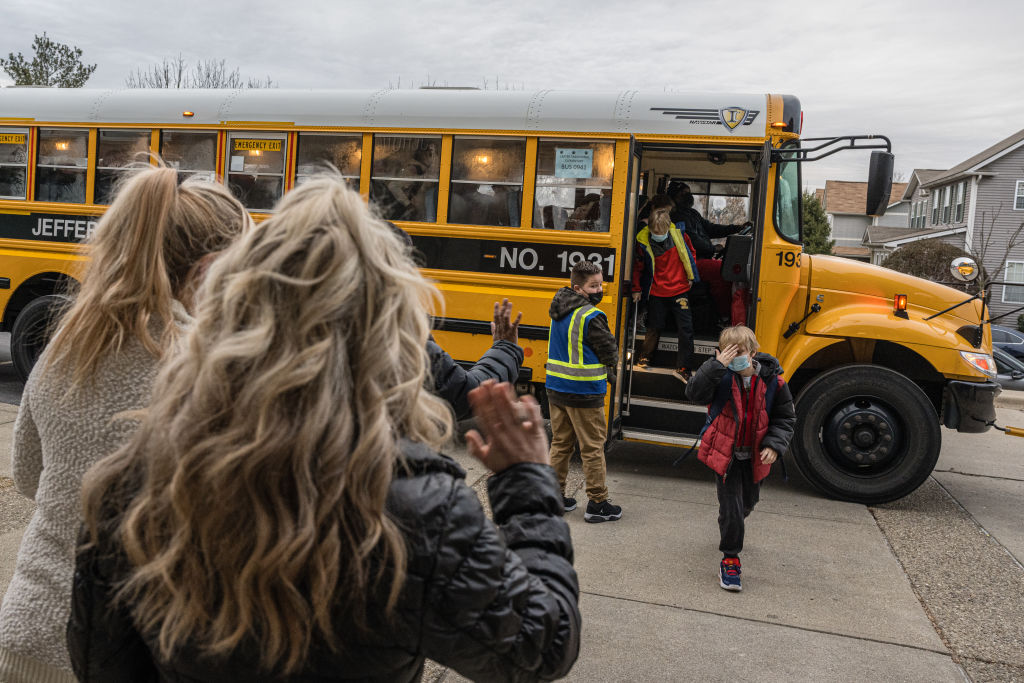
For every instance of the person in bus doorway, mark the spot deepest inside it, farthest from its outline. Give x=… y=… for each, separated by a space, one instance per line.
x=284 y=512
x=701 y=231
x=582 y=354
x=749 y=426
x=664 y=270
x=132 y=309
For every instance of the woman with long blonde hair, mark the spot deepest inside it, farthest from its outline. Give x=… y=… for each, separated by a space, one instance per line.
x=131 y=307
x=283 y=513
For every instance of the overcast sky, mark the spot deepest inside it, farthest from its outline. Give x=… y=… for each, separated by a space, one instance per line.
x=943 y=79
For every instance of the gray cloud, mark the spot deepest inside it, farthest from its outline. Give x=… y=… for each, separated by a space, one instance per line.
x=942 y=79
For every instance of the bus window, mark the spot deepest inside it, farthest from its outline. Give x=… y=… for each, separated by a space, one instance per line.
x=404 y=177
x=344 y=152
x=574 y=185
x=115 y=150
x=256 y=169
x=190 y=153
x=487 y=181
x=61 y=168
x=13 y=162
x=723 y=203
x=787 y=201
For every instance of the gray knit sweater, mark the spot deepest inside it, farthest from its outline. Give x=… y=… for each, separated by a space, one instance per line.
x=58 y=435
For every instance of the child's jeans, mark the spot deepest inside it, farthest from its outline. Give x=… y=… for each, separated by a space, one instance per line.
x=737 y=496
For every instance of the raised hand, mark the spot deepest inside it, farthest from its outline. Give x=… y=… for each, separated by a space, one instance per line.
x=503 y=327
x=725 y=356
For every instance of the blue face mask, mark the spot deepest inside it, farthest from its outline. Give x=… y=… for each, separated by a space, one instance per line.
x=659 y=238
x=739 y=363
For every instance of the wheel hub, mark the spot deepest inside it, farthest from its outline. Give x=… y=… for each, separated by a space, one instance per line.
x=862 y=434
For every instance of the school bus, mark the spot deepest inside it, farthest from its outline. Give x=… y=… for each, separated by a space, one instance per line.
x=502 y=193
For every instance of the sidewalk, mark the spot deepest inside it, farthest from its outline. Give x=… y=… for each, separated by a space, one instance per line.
x=823 y=596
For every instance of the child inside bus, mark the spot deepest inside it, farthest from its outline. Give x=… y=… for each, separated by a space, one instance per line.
x=664 y=270
x=582 y=353
x=750 y=424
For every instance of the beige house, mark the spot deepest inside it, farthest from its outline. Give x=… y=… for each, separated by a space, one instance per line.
x=844 y=202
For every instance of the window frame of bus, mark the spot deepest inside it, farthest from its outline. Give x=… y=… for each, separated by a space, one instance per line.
x=453 y=181
x=572 y=143
x=386 y=179
x=351 y=179
x=256 y=135
x=82 y=170
x=184 y=173
x=23 y=166
x=782 y=167
x=707 y=194
x=116 y=172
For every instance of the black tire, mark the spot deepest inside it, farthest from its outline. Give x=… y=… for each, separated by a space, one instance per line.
x=865 y=434
x=32 y=330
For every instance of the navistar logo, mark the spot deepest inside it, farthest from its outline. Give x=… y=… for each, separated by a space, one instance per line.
x=732 y=116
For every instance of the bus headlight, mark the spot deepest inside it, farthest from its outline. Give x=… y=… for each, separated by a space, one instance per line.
x=980 y=361
x=964 y=269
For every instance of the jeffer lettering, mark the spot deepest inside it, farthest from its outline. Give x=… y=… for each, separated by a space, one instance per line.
x=68 y=228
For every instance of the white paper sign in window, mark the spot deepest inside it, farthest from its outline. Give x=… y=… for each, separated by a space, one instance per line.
x=573 y=162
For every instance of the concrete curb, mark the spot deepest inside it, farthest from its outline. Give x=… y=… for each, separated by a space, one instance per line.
x=1010 y=399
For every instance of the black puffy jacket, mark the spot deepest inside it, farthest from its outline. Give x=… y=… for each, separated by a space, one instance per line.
x=494 y=601
x=453 y=383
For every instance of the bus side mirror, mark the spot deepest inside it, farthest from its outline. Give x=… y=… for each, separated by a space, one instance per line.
x=879 y=183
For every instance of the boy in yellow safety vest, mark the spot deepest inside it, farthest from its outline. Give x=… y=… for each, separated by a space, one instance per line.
x=581 y=354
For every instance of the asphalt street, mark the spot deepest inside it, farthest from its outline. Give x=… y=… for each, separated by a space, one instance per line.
x=928 y=588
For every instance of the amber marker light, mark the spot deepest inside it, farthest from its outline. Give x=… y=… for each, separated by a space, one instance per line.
x=188 y=114
x=899 y=305
x=779 y=124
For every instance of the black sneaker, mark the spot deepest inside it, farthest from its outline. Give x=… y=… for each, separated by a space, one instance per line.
x=569 y=504
x=602 y=512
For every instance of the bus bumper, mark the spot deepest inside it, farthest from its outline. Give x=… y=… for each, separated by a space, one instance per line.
x=969 y=406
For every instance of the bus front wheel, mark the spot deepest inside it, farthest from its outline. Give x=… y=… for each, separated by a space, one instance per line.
x=32 y=330
x=866 y=434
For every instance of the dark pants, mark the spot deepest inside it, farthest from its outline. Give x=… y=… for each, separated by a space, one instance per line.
x=737 y=496
x=659 y=308
x=721 y=291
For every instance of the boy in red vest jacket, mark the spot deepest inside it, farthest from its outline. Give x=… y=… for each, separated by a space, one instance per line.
x=750 y=424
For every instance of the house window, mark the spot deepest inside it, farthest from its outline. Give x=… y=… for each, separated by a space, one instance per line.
x=935 y=206
x=945 y=203
x=1014 y=273
x=958 y=208
x=1018 y=196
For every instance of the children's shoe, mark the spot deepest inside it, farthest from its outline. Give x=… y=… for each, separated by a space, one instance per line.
x=729 y=574
x=602 y=512
x=683 y=375
x=569 y=504
x=642 y=362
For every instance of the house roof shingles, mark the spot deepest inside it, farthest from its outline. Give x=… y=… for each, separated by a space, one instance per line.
x=842 y=196
x=976 y=159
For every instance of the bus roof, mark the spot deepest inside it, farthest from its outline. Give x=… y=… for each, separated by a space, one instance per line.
x=626 y=112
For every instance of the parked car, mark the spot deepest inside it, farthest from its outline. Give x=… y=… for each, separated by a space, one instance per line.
x=1009 y=340
x=1009 y=370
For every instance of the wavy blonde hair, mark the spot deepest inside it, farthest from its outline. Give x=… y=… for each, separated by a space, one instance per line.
x=258 y=478
x=142 y=254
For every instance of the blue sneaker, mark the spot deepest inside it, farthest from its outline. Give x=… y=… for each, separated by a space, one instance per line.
x=729 y=574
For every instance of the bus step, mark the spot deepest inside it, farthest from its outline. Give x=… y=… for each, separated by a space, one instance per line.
x=657 y=382
x=668 y=416
x=659 y=437
x=665 y=356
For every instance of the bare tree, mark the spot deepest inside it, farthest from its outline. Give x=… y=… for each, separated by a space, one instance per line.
x=989 y=245
x=175 y=72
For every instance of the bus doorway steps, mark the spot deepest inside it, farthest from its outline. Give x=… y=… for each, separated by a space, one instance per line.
x=669 y=416
x=659 y=437
x=704 y=348
x=655 y=382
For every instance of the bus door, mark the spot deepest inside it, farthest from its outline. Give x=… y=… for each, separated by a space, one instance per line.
x=650 y=403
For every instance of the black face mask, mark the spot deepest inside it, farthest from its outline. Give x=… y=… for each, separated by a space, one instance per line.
x=595 y=298
x=687 y=200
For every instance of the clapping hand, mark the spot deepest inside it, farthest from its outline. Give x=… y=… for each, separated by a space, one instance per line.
x=513 y=430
